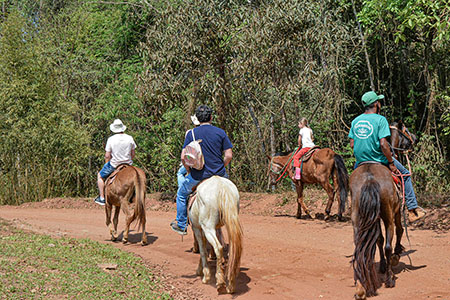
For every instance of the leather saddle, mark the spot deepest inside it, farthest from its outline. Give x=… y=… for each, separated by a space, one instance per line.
x=113 y=175
x=308 y=154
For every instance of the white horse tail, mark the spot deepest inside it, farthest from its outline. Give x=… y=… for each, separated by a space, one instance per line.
x=229 y=216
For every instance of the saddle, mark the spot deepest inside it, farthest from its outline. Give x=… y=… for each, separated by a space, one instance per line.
x=308 y=154
x=113 y=175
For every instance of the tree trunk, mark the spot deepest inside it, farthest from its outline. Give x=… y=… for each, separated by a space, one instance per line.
x=363 y=40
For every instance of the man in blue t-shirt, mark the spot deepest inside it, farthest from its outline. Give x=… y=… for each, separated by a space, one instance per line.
x=214 y=144
x=368 y=139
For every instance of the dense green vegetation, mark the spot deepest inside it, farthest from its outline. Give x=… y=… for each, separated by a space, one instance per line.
x=36 y=266
x=69 y=67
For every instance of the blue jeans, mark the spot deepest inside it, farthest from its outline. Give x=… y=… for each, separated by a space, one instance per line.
x=410 y=196
x=184 y=190
x=107 y=170
x=181 y=174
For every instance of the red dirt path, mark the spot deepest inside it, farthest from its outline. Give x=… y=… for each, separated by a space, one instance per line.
x=284 y=258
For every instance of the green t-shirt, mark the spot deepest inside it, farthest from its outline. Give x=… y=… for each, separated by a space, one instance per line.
x=366 y=131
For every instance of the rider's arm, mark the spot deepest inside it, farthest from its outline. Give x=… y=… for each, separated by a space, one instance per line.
x=228 y=155
x=352 y=143
x=299 y=140
x=387 y=152
x=132 y=153
x=107 y=156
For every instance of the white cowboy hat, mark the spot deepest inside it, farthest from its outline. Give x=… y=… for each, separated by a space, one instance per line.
x=194 y=120
x=117 y=126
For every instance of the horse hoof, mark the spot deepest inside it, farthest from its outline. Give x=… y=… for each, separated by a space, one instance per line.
x=360 y=292
x=230 y=289
x=390 y=283
x=298 y=216
x=395 y=258
x=221 y=289
x=144 y=243
x=113 y=238
x=124 y=241
x=308 y=217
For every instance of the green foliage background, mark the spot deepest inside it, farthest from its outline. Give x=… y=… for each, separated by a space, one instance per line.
x=69 y=67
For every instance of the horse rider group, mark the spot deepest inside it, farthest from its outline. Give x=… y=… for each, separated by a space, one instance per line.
x=367 y=135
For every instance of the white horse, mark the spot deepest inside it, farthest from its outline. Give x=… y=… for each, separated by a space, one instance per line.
x=217 y=204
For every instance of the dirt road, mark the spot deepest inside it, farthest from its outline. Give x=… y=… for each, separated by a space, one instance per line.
x=284 y=258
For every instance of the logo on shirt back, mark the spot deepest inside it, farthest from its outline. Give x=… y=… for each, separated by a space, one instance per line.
x=363 y=129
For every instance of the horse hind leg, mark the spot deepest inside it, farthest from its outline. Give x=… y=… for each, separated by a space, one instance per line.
x=330 y=192
x=300 y=203
x=210 y=234
x=108 y=210
x=128 y=220
x=390 y=280
x=398 y=246
x=203 y=269
x=380 y=243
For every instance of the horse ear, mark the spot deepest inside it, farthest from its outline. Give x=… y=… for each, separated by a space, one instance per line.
x=269 y=157
x=400 y=124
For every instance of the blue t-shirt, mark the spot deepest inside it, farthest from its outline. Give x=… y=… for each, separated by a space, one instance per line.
x=214 y=142
x=366 y=131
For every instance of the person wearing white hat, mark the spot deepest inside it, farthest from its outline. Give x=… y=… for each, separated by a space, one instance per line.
x=120 y=149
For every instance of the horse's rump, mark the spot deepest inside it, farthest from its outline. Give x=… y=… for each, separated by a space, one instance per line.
x=374 y=198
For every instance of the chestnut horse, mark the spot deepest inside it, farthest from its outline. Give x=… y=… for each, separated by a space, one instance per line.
x=374 y=196
x=217 y=205
x=125 y=188
x=323 y=164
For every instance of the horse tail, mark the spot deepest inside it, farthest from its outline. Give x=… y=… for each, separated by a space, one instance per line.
x=229 y=215
x=342 y=176
x=139 y=209
x=367 y=233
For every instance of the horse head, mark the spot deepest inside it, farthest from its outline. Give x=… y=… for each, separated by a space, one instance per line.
x=401 y=138
x=275 y=169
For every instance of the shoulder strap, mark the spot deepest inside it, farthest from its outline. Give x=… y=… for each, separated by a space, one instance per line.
x=193 y=135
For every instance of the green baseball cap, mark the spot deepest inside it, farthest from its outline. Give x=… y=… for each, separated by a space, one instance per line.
x=370 y=97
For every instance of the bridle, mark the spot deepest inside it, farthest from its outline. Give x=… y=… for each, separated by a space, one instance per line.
x=405 y=133
x=283 y=169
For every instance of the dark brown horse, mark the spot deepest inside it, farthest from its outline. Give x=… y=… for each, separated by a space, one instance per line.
x=127 y=187
x=374 y=196
x=323 y=165
x=402 y=141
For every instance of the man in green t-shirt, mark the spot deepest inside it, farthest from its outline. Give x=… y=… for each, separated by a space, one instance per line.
x=368 y=140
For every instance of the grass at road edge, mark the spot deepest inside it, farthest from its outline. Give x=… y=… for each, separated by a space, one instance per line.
x=34 y=266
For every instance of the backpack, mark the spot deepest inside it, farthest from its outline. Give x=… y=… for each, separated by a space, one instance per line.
x=193 y=156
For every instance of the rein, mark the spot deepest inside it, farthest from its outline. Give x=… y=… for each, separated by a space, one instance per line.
x=284 y=168
x=404 y=201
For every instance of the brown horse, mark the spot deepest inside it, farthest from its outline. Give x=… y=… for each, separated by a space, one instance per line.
x=374 y=196
x=127 y=187
x=323 y=164
x=402 y=141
